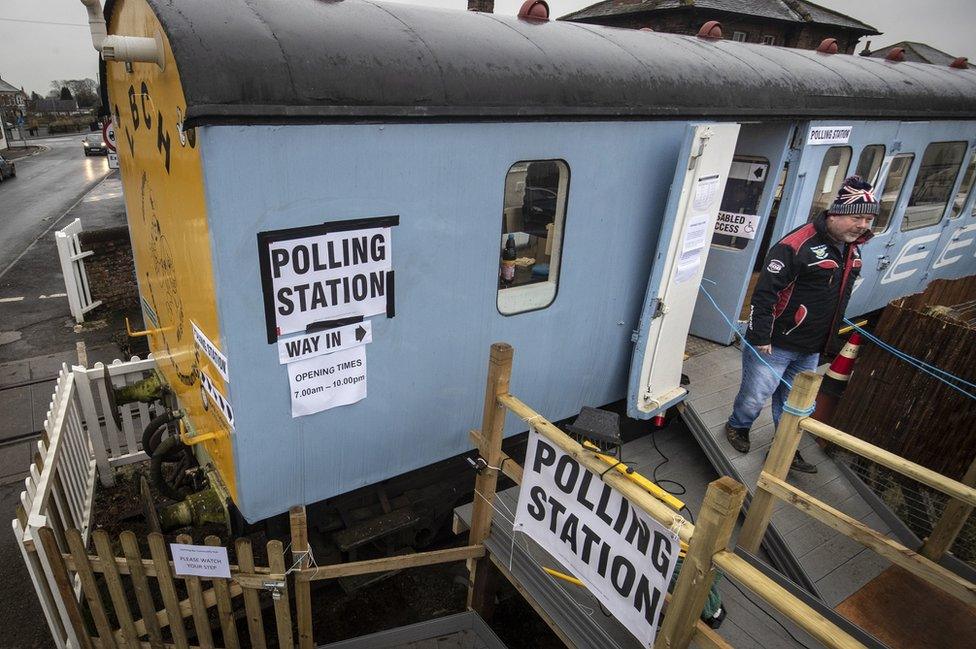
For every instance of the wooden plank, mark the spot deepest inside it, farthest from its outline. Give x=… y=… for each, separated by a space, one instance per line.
x=225 y=610
x=894 y=462
x=201 y=622
x=951 y=522
x=713 y=532
x=303 y=593
x=276 y=562
x=252 y=603
x=164 y=577
x=633 y=492
x=140 y=583
x=90 y=588
x=390 y=563
x=65 y=586
x=783 y=601
x=785 y=443
x=103 y=546
x=894 y=552
x=492 y=424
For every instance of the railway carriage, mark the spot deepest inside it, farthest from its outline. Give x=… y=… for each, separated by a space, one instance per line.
x=336 y=207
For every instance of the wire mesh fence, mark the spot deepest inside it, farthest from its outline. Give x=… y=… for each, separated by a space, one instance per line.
x=917 y=505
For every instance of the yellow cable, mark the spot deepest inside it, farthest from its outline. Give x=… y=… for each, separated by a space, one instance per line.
x=637 y=478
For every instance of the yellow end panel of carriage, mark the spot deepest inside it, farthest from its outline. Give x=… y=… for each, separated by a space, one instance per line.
x=164 y=194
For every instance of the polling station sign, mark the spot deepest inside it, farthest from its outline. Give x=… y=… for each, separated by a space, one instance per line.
x=622 y=555
x=323 y=273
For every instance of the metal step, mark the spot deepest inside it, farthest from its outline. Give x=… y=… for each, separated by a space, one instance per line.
x=375 y=529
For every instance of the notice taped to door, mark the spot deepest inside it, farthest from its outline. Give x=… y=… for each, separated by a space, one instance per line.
x=326 y=272
x=323 y=382
x=737 y=225
x=623 y=556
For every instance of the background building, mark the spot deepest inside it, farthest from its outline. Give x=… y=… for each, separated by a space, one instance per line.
x=787 y=23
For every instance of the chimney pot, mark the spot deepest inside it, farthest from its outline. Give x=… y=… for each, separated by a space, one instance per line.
x=712 y=30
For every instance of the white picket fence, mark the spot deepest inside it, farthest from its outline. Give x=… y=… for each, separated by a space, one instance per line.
x=81 y=443
x=73 y=268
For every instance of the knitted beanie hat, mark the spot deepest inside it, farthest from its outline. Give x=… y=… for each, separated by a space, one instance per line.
x=855 y=197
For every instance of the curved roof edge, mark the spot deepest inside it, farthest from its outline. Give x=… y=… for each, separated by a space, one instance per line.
x=264 y=61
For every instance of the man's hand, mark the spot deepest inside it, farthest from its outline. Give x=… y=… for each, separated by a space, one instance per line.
x=765 y=349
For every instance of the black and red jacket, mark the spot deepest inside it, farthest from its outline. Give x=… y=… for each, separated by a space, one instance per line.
x=803 y=290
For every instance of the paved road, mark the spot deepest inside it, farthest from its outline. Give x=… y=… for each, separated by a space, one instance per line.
x=46 y=185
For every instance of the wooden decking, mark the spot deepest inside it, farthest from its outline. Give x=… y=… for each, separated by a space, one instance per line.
x=577 y=613
x=836 y=566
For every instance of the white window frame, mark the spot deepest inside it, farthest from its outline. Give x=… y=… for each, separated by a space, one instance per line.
x=539 y=295
x=740 y=37
x=768 y=39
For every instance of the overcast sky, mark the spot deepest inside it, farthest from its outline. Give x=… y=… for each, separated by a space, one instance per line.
x=33 y=51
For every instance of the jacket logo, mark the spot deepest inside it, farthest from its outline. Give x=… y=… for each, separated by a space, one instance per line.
x=820 y=251
x=775 y=266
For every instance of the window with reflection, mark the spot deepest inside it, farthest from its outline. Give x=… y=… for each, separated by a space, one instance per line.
x=532 y=233
x=894 y=183
x=833 y=171
x=740 y=203
x=869 y=164
x=937 y=175
x=965 y=188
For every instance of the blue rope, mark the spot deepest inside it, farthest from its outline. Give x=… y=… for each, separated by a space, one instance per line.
x=806 y=412
x=931 y=370
x=742 y=338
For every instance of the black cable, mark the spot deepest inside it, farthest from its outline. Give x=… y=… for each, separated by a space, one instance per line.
x=664 y=460
x=768 y=614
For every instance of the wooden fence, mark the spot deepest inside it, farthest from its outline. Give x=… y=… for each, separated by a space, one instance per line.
x=772 y=485
x=80 y=441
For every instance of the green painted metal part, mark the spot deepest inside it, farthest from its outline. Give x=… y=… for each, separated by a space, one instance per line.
x=206 y=506
x=148 y=390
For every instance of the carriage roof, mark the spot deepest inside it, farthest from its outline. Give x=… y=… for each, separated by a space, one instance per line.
x=267 y=61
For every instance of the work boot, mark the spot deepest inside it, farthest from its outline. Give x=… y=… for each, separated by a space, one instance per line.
x=738 y=438
x=801 y=465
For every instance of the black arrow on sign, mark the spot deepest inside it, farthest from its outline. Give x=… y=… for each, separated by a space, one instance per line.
x=758 y=172
x=360 y=333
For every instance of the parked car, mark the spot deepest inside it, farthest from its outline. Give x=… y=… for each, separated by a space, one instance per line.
x=7 y=169
x=95 y=146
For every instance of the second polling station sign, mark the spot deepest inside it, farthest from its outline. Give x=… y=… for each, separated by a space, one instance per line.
x=326 y=273
x=622 y=555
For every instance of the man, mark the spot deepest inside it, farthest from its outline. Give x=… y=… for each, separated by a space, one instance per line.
x=799 y=300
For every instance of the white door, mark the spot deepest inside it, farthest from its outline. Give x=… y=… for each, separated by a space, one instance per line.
x=676 y=270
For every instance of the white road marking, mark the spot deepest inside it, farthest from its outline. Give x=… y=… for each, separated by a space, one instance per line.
x=44 y=297
x=11 y=299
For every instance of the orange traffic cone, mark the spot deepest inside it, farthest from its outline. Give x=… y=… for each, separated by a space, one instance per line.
x=835 y=381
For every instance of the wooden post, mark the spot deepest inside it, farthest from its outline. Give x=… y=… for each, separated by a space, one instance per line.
x=252 y=604
x=954 y=516
x=167 y=589
x=201 y=620
x=480 y=592
x=140 y=583
x=225 y=609
x=110 y=570
x=713 y=532
x=303 y=593
x=65 y=586
x=276 y=561
x=787 y=439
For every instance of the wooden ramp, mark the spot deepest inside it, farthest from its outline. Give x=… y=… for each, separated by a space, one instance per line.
x=750 y=623
x=833 y=566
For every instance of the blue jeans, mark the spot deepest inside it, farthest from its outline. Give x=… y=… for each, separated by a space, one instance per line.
x=760 y=381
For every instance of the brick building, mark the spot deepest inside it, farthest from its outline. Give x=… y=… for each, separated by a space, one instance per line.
x=787 y=23
x=13 y=101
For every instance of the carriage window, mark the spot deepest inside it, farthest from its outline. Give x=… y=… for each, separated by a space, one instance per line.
x=895 y=182
x=532 y=234
x=933 y=186
x=869 y=164
x=832 y=174
x=737 y=221
x=964 y=188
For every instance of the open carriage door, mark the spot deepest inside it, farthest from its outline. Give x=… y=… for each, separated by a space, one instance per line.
x=677 y=267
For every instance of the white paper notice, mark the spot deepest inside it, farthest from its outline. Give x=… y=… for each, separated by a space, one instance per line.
x=706 y=190
x=324 y=342
x=737 y=225
x=328 y=381
x=695 y=238
x=200 y=560
x=829 y=135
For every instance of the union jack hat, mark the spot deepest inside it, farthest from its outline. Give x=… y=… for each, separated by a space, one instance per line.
x=855 y=197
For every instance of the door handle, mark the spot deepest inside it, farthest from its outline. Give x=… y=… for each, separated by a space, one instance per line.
x=883 y=261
